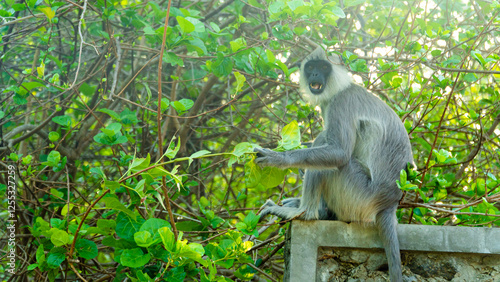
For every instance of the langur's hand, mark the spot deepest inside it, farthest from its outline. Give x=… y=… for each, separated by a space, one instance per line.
x=266 y=157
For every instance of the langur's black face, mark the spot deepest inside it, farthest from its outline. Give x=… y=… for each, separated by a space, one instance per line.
x=317 y=73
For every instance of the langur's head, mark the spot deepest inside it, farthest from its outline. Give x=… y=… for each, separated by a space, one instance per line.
x=322 y=77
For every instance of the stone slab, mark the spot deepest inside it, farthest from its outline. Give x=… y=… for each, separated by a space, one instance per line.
x=306 y=237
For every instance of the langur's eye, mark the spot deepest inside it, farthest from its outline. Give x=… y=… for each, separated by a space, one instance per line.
x=324 y=67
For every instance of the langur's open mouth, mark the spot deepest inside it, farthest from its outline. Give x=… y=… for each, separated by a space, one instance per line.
x=316 y=85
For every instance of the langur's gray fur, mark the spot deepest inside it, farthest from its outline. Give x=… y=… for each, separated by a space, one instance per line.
x=353 y=165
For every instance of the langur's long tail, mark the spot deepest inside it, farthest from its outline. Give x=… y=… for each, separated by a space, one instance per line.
x=386 y=223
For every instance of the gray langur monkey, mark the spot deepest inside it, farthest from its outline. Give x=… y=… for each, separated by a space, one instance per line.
x=353 y=165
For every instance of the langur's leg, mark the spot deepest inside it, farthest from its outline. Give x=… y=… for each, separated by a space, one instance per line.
x=312 y=201
x=310 y=206
x=291 y=202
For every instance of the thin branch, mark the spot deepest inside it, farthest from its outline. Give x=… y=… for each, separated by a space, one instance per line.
x=160 y=141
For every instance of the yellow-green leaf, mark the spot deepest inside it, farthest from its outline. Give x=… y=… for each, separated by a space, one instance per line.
x=185 y=25
x=48 y=12
x=41 y=70
x=240 y=80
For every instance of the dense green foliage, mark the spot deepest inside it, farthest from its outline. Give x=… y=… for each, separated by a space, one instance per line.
x=100 y=176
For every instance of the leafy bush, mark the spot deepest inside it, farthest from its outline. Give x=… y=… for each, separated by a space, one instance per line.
x=122 y=173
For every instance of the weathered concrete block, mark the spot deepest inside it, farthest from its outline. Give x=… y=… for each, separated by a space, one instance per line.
x=339 y=251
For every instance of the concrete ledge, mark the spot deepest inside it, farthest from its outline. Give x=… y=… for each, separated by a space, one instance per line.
x=306 y=237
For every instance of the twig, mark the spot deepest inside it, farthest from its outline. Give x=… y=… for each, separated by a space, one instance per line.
x=117 y=67
x=71 y=250
x=160 y=141
x=81 y=43
x=262 y=272
x=431 y=207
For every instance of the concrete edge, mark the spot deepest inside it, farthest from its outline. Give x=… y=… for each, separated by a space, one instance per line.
x=307 y=236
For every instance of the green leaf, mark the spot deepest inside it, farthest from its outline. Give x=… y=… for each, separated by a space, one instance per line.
x=290 y=136
x=196 y=44
x=182 y=105
x=111 y=135
x=294 y=4
x=276 y=7
x=28 y=86
x=112 y=129
x=56 y=257
x=111 y=113
x=199 y=154
x=27 y=160
x=86 y=249
x=165 y=103
x=185 y=25
x=59 y=237
x=19 y=100
x=453 y=60
x=2 y=114
x=222 y=66
x=470 y=77
x=477 y=55
x=168 y=238
x=198 y=25
x=350 y=3
x=14 y=157
x=240 y=81
x=40 y=255
x=98 y=171
x=239 y=152
x=57 y=222
x=403 y=176
x=194 y=251
x=237 y=44
x=178 y=274
x=87 y=90
x=140 y=164
x=439 y=194
x=64 y=121
x=172 y=149
x=243 y=148
x=47 y=11
x=272 y=177
x=53 y=159
x=337 y=11
x=149 y=30
x=115 y=204
x=144 y=277
x=143 y=239
x=244 y=273
x=252 y=219
x=134 y=258
x=189 y=226
x=111 y=185
x=126 y=227
x=173 y=59
x=153 y=224
x=253 y=174
x=106 y=226
x=396 y=81
x=41 y=70
x=53 y=136
x=215 y=27
x=436 y=53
